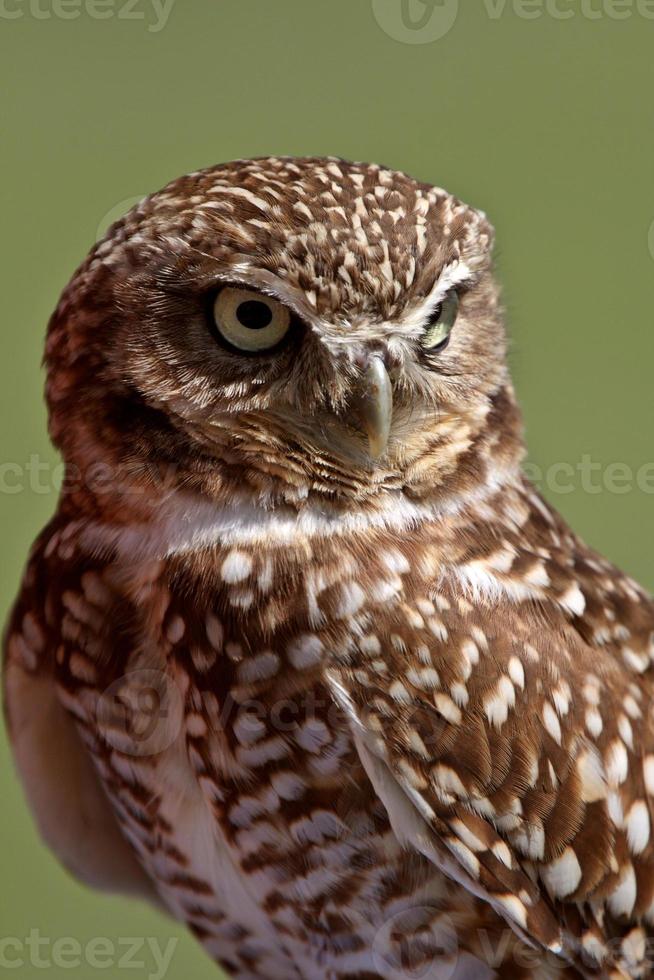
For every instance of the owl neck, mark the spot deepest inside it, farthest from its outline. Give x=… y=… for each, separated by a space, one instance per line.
x=189 y=529
x=241 y=498
x=187 y=525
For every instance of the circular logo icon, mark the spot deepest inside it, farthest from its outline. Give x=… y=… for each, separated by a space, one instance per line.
x=416 y=21
x=141 y=713
x=417 y=943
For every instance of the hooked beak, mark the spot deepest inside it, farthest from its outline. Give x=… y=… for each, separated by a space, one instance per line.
x=373 y=406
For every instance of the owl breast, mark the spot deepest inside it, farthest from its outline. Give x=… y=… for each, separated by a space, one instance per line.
x=232 y=770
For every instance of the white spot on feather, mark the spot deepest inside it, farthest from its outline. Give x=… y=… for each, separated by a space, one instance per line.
x=236 y=567
x=514 y=908
x=551 y=722
x=623 y=899
x=591 y=773
x=648 y=773
x=626 y=731
x=215 y=632
x=617 y=763
x=573 y=600
x=638 y=827
x=594 y=723
x=259 y=668
x=352 y=598
x=516 y=672
x=305 y=651
x=562 y=876
x=176 y=629
x=497 y=707
x=447 y=708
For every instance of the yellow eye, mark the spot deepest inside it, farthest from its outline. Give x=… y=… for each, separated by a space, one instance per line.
x=442 y=323
x=250 y=321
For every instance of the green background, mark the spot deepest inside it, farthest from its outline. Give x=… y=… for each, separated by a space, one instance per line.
x=545 y=123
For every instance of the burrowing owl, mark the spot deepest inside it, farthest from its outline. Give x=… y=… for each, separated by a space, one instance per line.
x=302 y=656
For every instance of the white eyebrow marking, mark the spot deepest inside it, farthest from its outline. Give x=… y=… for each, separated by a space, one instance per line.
x=336 y=337
x=454 y=274
x=409 y=325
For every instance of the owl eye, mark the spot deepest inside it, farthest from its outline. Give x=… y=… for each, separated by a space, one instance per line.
x=250 y=321
x=441 y=323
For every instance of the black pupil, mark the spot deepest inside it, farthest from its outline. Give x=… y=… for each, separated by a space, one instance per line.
x=254 y=314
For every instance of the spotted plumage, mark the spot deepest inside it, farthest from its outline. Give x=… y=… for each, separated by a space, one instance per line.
x=302 y=657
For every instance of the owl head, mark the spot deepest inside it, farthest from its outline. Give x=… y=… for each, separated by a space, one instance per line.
x=291 y=330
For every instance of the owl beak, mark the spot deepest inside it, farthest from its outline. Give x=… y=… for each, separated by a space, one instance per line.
x=373 y=406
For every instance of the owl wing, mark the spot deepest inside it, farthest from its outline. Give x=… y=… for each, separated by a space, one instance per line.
x=514 y=751
x=64 y=793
